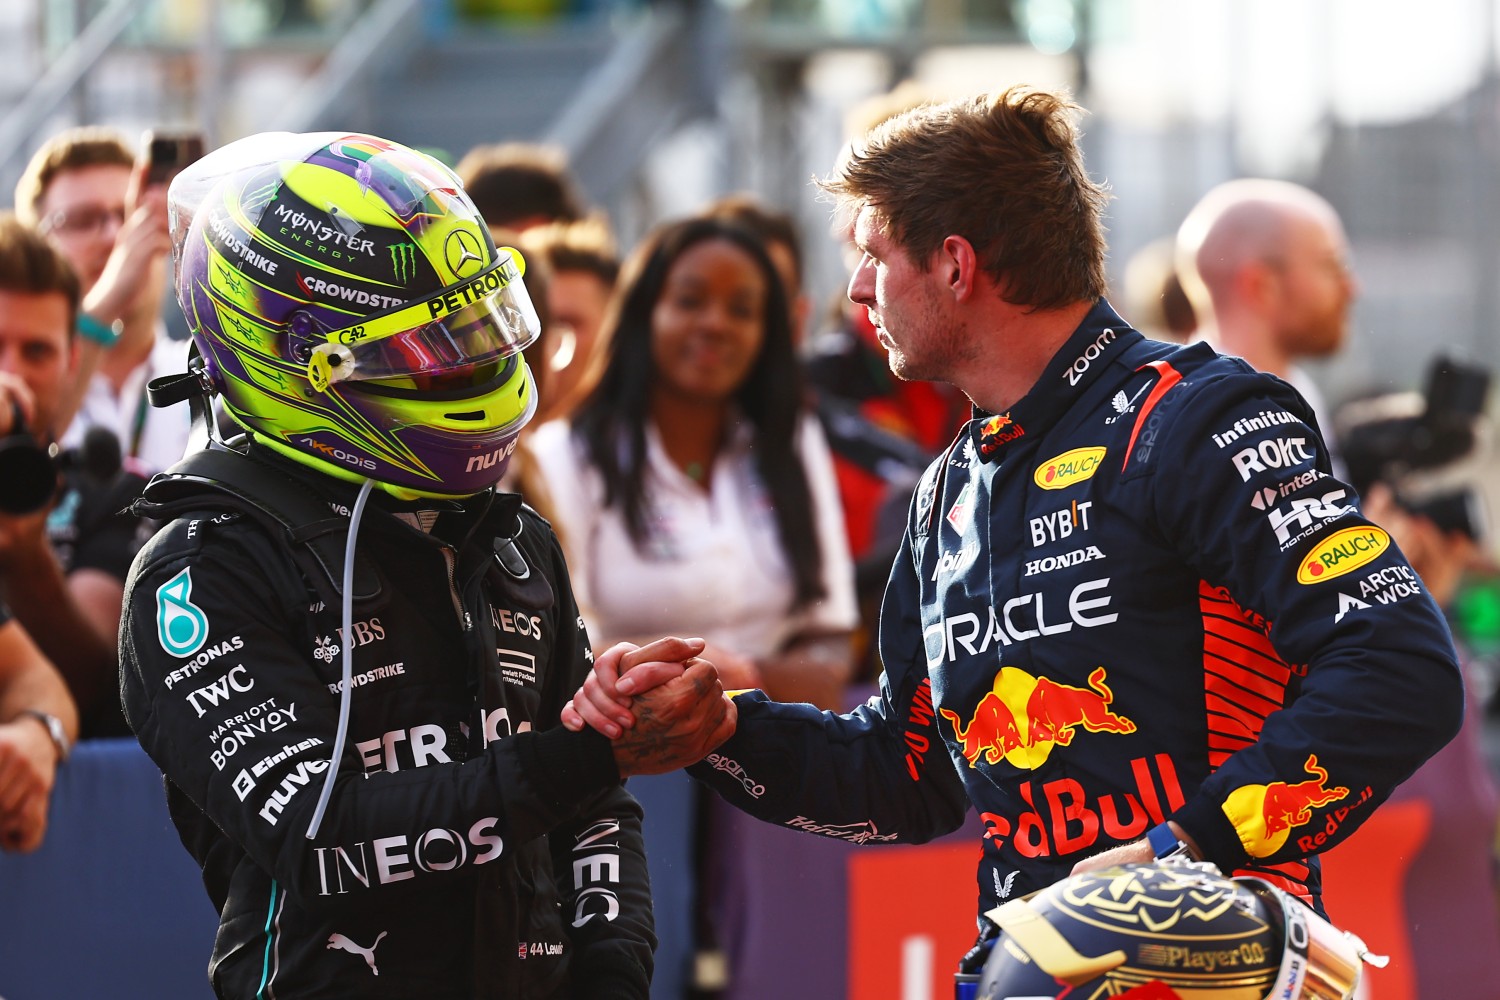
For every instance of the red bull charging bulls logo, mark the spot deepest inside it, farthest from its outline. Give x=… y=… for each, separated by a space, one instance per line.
x=1023 y=717
x=1264 y=815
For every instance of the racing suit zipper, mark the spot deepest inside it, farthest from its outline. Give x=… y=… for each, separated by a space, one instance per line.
x=464 y=618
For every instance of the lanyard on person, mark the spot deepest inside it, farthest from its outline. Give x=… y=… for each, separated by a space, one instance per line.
x=138 y=424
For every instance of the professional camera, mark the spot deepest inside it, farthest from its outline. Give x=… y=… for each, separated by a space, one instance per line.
x=28 y=476
x=29 y=471
x=1435 y=450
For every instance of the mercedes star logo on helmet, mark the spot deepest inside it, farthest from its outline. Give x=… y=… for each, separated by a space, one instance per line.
x=462 y=251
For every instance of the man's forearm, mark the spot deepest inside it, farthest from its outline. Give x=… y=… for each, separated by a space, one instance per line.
x=29 y=682
x=38 y=595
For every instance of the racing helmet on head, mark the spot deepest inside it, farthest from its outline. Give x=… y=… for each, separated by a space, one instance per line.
x=352 y=311
x=1168 y=931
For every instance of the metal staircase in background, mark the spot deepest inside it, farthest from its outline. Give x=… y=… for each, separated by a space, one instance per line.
x=605 y=87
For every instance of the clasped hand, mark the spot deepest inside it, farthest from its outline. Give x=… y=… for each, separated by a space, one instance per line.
x=661 y=704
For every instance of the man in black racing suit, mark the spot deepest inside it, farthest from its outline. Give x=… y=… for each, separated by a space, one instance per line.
x=468 y=846
x=1133 y=615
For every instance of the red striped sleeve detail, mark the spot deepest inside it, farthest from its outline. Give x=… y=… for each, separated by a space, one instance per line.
x=1244 y=680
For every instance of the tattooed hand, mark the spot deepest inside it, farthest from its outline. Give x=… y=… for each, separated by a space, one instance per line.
x=676 y=723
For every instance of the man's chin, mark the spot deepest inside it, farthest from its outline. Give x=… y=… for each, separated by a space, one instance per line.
x=901 y=367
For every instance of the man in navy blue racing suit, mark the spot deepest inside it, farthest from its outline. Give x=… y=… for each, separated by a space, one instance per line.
x=1133 y=615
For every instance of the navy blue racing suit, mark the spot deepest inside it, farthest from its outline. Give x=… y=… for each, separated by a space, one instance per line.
x=1138 y=595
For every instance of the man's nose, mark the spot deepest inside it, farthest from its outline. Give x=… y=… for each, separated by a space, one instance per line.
x=862 y=282
x=110 y=225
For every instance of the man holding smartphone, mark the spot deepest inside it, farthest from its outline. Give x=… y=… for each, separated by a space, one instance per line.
x=105 y=208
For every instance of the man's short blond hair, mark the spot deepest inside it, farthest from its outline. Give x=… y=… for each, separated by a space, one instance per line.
x=70 y=149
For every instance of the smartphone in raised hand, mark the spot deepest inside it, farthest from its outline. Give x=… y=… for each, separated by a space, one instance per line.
x=167 y=152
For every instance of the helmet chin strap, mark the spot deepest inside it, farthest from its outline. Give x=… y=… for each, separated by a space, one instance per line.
x=197 y=388
x=348 y=660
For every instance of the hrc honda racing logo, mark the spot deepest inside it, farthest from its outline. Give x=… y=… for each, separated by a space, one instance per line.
x=1306 y=516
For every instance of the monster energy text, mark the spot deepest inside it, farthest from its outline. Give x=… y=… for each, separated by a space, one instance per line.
x=317 y=235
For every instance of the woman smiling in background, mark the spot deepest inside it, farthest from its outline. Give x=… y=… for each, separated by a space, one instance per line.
x=695 y=492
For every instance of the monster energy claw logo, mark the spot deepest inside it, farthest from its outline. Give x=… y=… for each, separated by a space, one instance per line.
x=404 y=261
x=253 y=201
x=181 y=626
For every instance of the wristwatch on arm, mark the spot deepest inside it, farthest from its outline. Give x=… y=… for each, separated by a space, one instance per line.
x=54 y=728
x=1166 y=844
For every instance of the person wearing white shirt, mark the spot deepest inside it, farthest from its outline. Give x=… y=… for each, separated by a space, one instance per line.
x=692 y=491
x=151 y=438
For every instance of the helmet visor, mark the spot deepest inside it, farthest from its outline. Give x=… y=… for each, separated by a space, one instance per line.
x=1319 y=961
x=466 y=329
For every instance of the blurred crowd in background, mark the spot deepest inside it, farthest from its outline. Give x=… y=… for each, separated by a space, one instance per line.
x=651 y=164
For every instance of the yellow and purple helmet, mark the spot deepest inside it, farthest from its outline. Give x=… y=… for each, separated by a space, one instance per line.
x=352 y=310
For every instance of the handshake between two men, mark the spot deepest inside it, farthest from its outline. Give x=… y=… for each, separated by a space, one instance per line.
x=661 y=704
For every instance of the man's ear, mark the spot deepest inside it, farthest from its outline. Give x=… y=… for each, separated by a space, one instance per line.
x=1257 y=283
x=959 y=264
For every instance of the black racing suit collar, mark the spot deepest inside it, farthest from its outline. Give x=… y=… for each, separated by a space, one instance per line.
x=1077 y=364
x=456 y=517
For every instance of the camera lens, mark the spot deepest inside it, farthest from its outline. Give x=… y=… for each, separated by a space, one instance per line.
x=28 y=477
